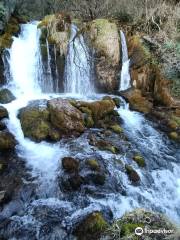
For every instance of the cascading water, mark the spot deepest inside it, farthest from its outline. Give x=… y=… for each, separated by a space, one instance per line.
x=78 y=66
x=125 y=76
x=49 y=211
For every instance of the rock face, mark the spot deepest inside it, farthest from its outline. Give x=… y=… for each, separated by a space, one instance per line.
x=145 y=73
x=66 y=118
x=104 y=37
x=6 y=96
x=7 y=141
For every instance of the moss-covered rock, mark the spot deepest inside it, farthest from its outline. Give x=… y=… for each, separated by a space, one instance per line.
x=6 y=96
x=3 y=113
x=35 y=123
x=132 y=174
x=174 y=136
x=139 y=160
x=70 y=164
x=105 y=146
x=65 y=117
x=97 y=178
x=93 y=164
x=72 y=183
x=91 y=227
x=125 y=227
x=117 y=102
x=116 y=128
x=7 y=141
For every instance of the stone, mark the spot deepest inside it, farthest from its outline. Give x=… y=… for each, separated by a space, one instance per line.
x=3 y=113
x=2 y=126
x=139 y=160
x=116 y=129
x=6 y=96
x=70 y=164
x=7 y=141
x=132 y=174
x=73 y=183
x=65 y=117
x=174 y=136
x=117 y=102
x=91 y=227
x=93 y=164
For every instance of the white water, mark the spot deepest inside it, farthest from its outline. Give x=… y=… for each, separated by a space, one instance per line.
x=26 y=84
x=125 y=82
x=78 y=66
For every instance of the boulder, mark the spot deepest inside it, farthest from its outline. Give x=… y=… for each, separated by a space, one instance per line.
x=72 y=183
x=104 y=38
x=93 y=164
x=6 y=96
x=65 y=117
x=70 y=164
x=35 y=123
x=139 y=160
x=91 y=227
x=7 y=141
x=3 y=113
x=137 y=101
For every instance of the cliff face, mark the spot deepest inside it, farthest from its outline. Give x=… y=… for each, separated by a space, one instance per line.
x=6 y=9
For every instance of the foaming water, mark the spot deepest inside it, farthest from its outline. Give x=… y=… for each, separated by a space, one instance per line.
x=125 y=76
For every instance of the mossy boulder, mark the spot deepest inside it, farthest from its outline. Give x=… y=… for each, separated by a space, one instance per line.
x=132 y=174
x=91 y=227
x=117 y=102
x=137 y=101
x=104 y=146
x=35 y=123
x=65 y=117
x=7 y=141
x=139 y=160
x=93 y=164
x=6 y=96
x=116 y=128
x=70 y=164
x=3 y=113
x=125 y=227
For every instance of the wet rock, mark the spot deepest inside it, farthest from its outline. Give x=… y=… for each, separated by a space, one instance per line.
x=70 y=164
x=35 y=122
x=103 y=145
x=72 y=183
x=125 y=227
x=2 y=194
x=7 y=141
x=137 y=101
x=132 y=174
x=2 y=126
x=91 y=227
x=116 y=129
x=6 y=96
x=65 y=117
x=174 y=136
x=93 y=164
x=117 y=102
x=104 y=38
x=96 y=178
x=139 y=160
x=3 y=113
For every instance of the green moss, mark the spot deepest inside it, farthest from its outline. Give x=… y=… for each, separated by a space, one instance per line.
x=116 y=128
x=128 y=229
x=174 y=136
x=93 y=164
x=92 y=226
x=139 y=160
x=176 y=120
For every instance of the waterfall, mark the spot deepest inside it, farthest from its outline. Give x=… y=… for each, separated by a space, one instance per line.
x=25 y=62
x=78 y=66
x=125 y=76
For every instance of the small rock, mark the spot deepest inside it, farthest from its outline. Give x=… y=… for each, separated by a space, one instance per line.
x=91 y=227
x=2 y=126
x=3 y=113
x=132 y=174
x=6 y=96
x=116 y=128
x=117 y=102
x=174 y=136
x=70 y=164
x=7 y=141
x=73 y=183
x=93 y=164
x=97 y=179
x=139 y=160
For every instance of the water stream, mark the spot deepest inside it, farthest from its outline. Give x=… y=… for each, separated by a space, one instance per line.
x=51 y=209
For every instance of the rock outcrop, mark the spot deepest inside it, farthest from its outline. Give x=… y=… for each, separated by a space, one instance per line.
x=6 y=96
x=104 y=38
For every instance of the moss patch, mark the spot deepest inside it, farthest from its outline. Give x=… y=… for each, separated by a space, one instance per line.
x=116 y=128
x=139 y=160
x=93 y=164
